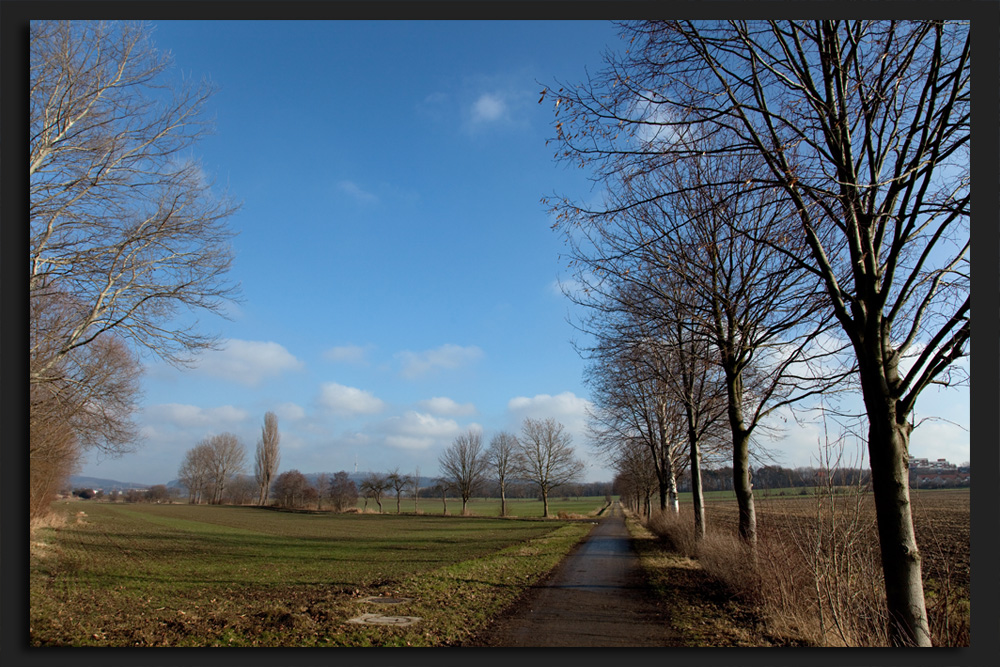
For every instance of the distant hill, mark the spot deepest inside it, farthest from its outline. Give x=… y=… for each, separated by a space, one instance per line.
x=84 y=482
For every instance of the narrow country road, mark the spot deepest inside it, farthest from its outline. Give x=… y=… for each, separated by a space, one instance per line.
x=595 y=597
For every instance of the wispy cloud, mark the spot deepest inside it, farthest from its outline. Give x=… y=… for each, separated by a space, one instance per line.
x=348 y=401
x=184 y=416
x=348 y=354
x=248 y=362
x=488 y=108
x=442 y=405
x=450 y=357
x=356 y=191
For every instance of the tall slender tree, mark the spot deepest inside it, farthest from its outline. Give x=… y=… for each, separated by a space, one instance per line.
x=268 y=456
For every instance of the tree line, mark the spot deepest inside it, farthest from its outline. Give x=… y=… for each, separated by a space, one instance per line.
x=781 y=219
x=541 y=459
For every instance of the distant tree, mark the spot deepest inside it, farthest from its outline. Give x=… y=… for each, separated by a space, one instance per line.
x=194 y=472
x=291 y=489
x=241 y=490
x=464 y=464
x=227 y=457
x=416 y=490
x=343 y=492
x=502 y=457
x=398 y=483
x=157 y=493
x=545 y=456
x=322 y=486
x=373 y=486
x=268 y=456
x=443 y=486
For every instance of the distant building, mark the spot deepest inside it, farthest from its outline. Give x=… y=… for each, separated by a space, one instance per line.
x=938 y=474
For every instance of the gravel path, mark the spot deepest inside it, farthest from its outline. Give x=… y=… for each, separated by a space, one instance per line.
x=595 y=597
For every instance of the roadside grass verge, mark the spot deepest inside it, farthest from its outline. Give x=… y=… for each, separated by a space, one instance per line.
x=178 y=575
x=703 y=610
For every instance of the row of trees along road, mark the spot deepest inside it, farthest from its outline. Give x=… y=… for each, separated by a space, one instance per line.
x=785 y=212
x=542 y=455
x=125 y=234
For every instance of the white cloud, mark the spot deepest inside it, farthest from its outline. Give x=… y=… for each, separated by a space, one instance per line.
x=442 y=405
x=356 y=191
x=289 y=412
x=190 y=416
x=488 y=107
x=416 y=364
x=343 y=400
x=348 y=354
x=566 y=408
x=248 y=362
x=417 y=430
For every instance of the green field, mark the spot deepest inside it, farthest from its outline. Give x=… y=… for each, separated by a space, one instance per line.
x=516 y=507
x=148 y=575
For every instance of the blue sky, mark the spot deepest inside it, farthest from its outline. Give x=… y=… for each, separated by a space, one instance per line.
x=398 y=270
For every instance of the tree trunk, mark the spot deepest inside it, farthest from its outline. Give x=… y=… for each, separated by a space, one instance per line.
x=503 y=500
x=672 y=490
x=888 y=451
x=741 y=461
x=697 y=498
x=545 y=503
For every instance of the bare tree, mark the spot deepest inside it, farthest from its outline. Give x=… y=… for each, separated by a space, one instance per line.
x=322 y=487
x=373 y=486
x=398 y=483
x=343 y=492
x=291 y=489
x=862 y=128
x=121 y=218
x=195 y=472
x=502 y=457
x=268 y=456
x=124 y=230
x=241 y=490
x=227 y=458
x=545 y=456
x=464 y=464
x=416 y=490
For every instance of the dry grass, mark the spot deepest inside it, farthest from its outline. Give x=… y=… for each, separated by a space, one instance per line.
x=817 y=573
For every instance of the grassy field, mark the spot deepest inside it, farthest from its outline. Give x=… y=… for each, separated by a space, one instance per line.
x=154 y=575
x=516 y=507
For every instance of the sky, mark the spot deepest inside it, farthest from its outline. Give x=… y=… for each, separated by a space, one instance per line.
x=400 y=279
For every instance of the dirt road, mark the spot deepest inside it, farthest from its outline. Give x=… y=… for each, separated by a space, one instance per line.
x=595 y=597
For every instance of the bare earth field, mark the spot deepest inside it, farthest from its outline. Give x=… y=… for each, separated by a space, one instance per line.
x=941 y=519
